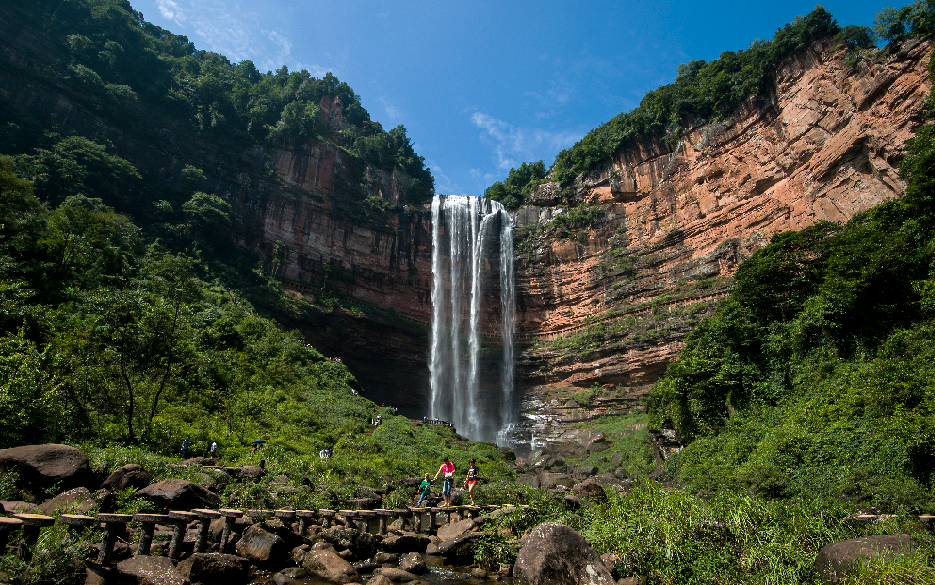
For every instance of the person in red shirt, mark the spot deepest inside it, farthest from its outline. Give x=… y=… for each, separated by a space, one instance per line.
x=447 y=470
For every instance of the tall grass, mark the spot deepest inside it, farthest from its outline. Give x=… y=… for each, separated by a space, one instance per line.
x=676 y=538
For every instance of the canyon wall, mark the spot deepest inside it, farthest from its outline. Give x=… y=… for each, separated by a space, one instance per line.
x=601 y=310
x=611 y=304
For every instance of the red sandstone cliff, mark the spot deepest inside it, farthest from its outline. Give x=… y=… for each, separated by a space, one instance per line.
x=826 y=146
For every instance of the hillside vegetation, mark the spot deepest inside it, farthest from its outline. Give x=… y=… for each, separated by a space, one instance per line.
x=815 y=375
x=125 y=309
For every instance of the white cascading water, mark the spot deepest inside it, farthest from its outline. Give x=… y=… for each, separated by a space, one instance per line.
x=472 y=227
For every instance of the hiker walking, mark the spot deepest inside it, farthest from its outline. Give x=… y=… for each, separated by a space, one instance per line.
x=471 y=480
x=447 y=469
x=185 y=445
x=426 y=488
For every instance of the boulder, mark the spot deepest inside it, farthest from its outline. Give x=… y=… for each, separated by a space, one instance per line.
x=291 y=576
x=379 y=580
x=324 y=563
x=45 y=466
x=128 y=476
x=414 y=564
x=251 y=472
x=362 y=544
x=179 y=494
x=211 y=568
x=550 y=480
x=385 y=557
x=554 y=554
x=216 y=528
x=150 y=570
x=262 y=547
x=834 y=559
x=530 y=479
x=449 y=531
x=20 y=507
x=75 y=501
x=460 y=549
x=582 y=471
x=574 y=502
x=284 y=531
x=396 y=575
x=203 y=461
x=404 y=543
x=590 y=490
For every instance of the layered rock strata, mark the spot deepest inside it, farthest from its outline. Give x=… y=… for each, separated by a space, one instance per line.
x=610 y=304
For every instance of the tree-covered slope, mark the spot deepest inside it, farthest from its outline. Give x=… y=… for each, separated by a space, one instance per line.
x=125 y=316
x=815 y=375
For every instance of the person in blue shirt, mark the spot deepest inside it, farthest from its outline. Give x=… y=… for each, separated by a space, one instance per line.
x=185 y=445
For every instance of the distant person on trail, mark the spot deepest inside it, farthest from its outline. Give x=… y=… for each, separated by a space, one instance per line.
x=426 y=488
x=185 y=445
x=447 y=469
x=471 y=480
x=214 y=449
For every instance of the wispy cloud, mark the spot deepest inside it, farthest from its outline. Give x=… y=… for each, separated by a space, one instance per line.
x=393 y=113
x=238 y=34
x=444 y=184
x=512 y=146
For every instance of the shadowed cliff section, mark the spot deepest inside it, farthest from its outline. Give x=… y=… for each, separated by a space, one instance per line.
x=325 y=206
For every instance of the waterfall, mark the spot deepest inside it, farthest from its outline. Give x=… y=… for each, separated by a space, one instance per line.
x=469 y=235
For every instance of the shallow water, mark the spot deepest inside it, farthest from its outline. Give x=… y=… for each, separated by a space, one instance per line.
x=439 y=574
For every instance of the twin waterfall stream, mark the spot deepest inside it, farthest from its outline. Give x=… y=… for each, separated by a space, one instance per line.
x=472 y=255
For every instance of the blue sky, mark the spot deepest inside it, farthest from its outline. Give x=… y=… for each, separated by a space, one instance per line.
x=483 y=86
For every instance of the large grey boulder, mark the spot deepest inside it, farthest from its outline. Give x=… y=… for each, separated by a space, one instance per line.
x=413 y=563
x=128 y=476
x=44 y=466
x=404 y=543
x=396 y=575
x=551 y=480
x=460 y=549
x=834 y=559
x=149 y=570
x=590 y=490
x=449 y=531
x=262 y=547
x=213 y=568
x=554 y=554
x=324 y=563
x=179 y=494
x=75 y=501
x=530 y=479
x=362 y=544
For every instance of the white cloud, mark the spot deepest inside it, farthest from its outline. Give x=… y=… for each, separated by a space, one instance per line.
x=392 y=111
x=444 y=184
x=513 y=146
x=168 y=9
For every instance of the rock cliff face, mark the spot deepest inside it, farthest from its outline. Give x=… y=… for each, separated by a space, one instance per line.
x=610 y=305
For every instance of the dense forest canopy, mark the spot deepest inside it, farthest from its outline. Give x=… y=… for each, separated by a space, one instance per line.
x=706 y=91
x=131 y=72
x=127 y=314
